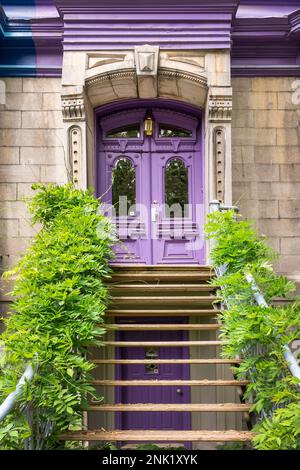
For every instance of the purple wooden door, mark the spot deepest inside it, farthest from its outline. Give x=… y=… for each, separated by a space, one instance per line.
x=153 y=394
x=155 y=185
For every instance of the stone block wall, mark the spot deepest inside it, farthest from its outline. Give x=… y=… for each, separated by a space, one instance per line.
x=266 y=162
x=31 y=150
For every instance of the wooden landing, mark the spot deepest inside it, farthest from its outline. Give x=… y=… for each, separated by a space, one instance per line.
x=200 y=407
x=159 y=383
x=159 y=436
x=167 y=361
x=162 y=327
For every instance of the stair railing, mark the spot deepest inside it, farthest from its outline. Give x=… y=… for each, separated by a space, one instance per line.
x=292 y=362
x=10 y=401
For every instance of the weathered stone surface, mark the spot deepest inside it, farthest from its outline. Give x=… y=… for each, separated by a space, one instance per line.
x=52 y=101
x=10 y=119
x=290 y=209
x=41 y=84
x=42 y=120
x=24 y=190
x=23 y=101
x=290 y=245
x=250 y=172
x=31 y=137
x=288 y=137
x=12 y=84
x=243 y=118
x=277 y=154
x=250 y=136
x=19 y=173
x=261 y=84
x=9 y=228
x=9 y=155
x=8 y=191
x=279 y=227
x=243 y=154
x=14 y=210
x=263 y=209
x=276 y=190
x=53 y=174
x=42 y=156
x=254 y=100
x=286 y=101
x=290 y=172
x=275 y=118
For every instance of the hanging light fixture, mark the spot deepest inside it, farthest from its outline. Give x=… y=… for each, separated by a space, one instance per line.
x=148 y=125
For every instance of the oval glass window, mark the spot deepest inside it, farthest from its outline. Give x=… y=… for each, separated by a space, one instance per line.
x=176 y=189
x=126 y=132
x=170 y=131
x=124 y=188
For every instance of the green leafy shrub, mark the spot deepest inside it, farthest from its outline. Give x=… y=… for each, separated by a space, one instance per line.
x=257 y=334
x=57 y=313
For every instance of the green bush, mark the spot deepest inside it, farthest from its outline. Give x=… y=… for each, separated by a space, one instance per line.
x=257 y=334
x=57 y=314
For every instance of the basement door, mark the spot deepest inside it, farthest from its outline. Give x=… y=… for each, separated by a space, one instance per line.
x=151 y=180
x=168 y=420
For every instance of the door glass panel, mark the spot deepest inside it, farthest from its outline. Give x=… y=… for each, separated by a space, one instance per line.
x=170 y=131
x=126 y=132
x=176 y=189
x=124 y=187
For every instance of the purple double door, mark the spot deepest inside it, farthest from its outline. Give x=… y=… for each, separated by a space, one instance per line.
x=151 y=172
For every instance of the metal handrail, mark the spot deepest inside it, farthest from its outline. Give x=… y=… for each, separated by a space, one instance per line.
x=10 y=401
x=292 y=362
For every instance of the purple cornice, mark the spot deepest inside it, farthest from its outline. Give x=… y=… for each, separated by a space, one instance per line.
x=264 y=36
x=172 y=24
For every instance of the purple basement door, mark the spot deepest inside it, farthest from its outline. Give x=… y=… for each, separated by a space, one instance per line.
x=153 y=394
x=151 y=177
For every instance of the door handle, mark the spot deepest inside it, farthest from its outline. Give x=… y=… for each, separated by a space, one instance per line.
x=179 y=391
x=154 y=213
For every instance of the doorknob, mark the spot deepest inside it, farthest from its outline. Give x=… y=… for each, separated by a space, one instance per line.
x=179 y=391
x=154 y=212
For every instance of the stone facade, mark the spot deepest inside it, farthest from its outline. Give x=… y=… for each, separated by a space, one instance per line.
x=266 y=162
x=31 y=151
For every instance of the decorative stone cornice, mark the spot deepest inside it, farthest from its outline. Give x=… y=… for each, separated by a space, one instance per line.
x=117 y=75
x=171 y=73
x=220 y=108
x=73 y=108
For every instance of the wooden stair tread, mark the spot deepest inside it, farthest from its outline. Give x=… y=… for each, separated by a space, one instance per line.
x=201 y=407
x=156 y=436
x=164 y=299
x=161 y=312
x=183 y=267
x=164 y=326
x=159 y=383
x=166 y=361
x=161 y=287
x=174 y=274
x=161 y=343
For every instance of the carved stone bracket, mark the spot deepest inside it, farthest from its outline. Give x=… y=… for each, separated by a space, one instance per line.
x=73 y=108
x=146 y=63
x=220 y=108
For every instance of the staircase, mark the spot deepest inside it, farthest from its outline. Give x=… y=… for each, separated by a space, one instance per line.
x=150 y=299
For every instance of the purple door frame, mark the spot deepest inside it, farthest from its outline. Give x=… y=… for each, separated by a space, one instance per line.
x=150 y=156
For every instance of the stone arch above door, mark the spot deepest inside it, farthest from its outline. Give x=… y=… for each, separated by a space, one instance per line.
x=94 y=79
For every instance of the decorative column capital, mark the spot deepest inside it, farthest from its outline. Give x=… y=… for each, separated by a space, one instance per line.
x=219 y=108
x=73 y=107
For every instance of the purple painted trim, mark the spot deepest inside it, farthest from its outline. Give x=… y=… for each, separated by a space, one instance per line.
x=33 y=35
